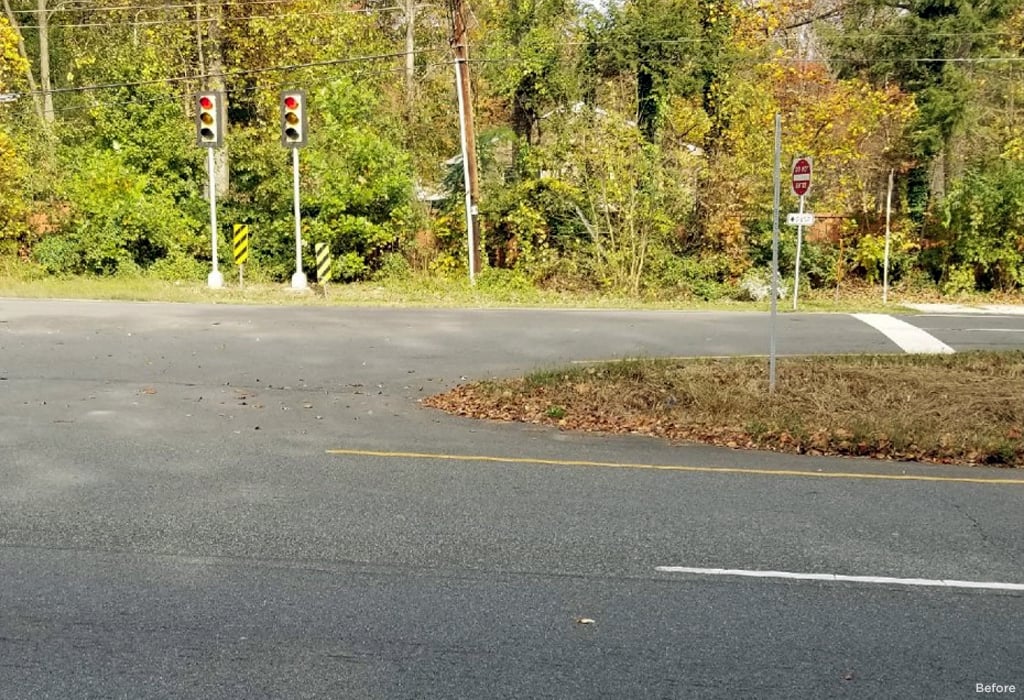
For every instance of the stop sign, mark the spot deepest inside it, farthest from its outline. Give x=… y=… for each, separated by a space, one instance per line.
x=801 y=175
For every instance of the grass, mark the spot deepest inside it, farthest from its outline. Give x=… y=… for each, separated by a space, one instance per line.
x=963 y=408
x=414 y=290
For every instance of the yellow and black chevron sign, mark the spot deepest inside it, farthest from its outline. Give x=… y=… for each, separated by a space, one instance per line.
x=323 y=263
x=240 y=242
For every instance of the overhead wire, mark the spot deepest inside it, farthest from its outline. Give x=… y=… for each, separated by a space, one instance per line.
x=206 y=20
x=233 y=74
x=151 y=8
x=178 y=96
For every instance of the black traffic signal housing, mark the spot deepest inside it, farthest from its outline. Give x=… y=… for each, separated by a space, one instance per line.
x=293 y=118
x=210 y=119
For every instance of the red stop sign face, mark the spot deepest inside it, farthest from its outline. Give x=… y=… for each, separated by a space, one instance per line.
x=801 y=176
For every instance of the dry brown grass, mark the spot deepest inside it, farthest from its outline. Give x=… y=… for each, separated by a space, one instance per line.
x=965 y=408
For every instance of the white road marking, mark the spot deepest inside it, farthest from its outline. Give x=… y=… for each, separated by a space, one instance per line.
x=911 y=339
x=996 y=330
x=886 y=580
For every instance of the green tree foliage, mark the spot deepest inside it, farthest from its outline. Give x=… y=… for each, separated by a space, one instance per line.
x=655 y=42
x=359 y=182
x=531 y=59
x=925 y=46
x=626 y=147
x=984 y=228
x=13 y=168
x=118 y=220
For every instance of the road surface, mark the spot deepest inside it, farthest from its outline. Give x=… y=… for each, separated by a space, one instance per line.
x=224 y=502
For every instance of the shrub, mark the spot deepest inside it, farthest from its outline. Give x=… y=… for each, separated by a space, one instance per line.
x=984 y=222
x=118 y=223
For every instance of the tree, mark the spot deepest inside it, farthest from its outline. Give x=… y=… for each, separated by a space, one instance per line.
x=927 y=48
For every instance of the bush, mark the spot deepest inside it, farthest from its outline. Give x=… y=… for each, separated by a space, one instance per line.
x=697 y=276
x=118 y=223
x=394 y=267
x=179 y=267
x=984 y=229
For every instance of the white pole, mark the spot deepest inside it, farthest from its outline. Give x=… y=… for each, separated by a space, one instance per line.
x=465 y=170
x=775 y=248
x=888 y=221
x=799 y=246
x=215 y=280
x=299 y=278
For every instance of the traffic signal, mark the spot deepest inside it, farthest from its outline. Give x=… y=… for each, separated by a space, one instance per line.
x=293 y=118
x=210 y=119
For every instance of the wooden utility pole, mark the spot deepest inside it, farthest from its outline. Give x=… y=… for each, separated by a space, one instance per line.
x=466 y=116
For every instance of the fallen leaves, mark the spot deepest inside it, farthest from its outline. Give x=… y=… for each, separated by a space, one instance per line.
x=886 y=409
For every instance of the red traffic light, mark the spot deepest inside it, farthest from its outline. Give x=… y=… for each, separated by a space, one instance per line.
x=290 y=102
x=205 y=102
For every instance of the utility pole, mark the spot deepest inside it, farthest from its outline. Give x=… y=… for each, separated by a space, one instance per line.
x=410 y=50
x=215 y=54
x=43 y=18
x=468 y=133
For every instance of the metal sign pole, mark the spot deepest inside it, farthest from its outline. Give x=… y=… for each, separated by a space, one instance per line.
x=799 y=245
x=775 y=248
x=299 y=278
x=215 y=279
x=888 y=221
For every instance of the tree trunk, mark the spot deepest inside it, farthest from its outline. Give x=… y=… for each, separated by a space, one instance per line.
x=410 y=50
x=33 y=88
x=43 y=17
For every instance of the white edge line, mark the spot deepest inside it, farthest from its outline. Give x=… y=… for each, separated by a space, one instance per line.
x=886 y=580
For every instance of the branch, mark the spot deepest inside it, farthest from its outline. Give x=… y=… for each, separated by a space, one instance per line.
x=824 y=15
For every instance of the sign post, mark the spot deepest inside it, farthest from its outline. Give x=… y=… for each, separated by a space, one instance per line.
x=323 y=264
x=240 y=248
x=800 y=179
x=775 y=249
x=888 y=239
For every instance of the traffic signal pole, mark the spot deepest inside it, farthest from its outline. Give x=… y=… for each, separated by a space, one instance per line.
x=299 y=278
x=215 y=279
x=210 y=122
x=293 y=136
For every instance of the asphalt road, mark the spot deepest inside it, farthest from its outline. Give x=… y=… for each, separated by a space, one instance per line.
x=225 y=502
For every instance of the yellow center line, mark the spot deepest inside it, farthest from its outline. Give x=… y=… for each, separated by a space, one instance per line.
x=672 y=468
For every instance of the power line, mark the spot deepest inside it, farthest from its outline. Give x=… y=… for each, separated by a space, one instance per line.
x=148 y=8
x=178 y=96
x=206 y=20
x=231 y=74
